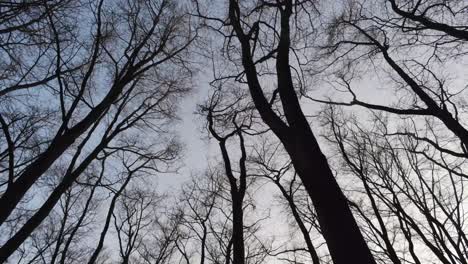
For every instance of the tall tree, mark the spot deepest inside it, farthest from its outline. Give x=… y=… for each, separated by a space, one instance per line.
x=109 y=85
x=238 y=185
x=413 y=210
x=262 y=33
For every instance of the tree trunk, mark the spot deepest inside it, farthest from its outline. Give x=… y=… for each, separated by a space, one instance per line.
x=344 y=239
x=300 y=223
x=340 y=230
x=238 y=230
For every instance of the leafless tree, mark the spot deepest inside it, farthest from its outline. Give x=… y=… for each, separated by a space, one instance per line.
x=144 y=234
x=207 y=223
x=121 y=76
x=237 y=184
x=30 y=35
x=413 y=209
x=263 y=39
x=198 y=200
x=277 y=168
x=414 y=47
x=409 y=160
x=89 y=92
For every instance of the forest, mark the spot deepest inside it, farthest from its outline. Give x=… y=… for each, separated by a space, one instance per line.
x=233 y=131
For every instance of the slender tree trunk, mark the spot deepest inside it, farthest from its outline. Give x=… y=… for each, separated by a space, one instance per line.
x=300 y=223
x=82 y=217
x=110 y=211
x=228 y=252
x=237 y=192
x=26 y=230
x=203 y=244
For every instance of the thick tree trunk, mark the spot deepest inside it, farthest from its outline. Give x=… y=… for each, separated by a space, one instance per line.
x=340 y=230
x=344 y=239
x=238 y=231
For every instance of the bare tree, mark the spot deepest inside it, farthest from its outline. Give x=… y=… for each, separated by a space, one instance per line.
x=238 y=185
x=408 y=43
x=260 y=33
x=408 y=161
x=138 y=221
x=89 y=92
x=198 y=202
x=267 y=157
x=30 y=37
x=406 y=201
x=120 y=90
